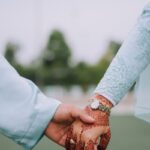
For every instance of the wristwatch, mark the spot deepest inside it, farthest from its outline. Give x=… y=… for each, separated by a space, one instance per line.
x=96 y=105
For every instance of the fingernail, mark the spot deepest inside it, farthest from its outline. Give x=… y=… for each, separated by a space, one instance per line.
x=72 y=141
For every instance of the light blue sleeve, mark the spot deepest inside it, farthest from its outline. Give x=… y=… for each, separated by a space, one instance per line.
x=131 y=59
x=24 y=111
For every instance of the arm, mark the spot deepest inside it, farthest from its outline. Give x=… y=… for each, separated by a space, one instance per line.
x=26 y=114
x=130 y=61
x=24 y=110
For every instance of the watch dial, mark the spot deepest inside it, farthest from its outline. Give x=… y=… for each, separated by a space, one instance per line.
x=95 y=104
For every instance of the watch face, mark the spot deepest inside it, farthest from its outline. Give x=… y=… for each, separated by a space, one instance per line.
x=95 y=104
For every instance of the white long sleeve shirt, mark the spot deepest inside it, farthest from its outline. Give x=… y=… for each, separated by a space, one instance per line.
x=25 y=111
x=127 y=66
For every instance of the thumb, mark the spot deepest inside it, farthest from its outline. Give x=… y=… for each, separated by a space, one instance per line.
x=78 y=113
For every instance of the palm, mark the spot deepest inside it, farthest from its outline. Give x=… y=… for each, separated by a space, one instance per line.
x=58 y=132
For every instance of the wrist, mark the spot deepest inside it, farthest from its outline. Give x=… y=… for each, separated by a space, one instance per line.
x=100 y=103
x=103 y=100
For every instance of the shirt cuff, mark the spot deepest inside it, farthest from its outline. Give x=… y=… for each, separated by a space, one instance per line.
x=46 y=108
x=106 y=96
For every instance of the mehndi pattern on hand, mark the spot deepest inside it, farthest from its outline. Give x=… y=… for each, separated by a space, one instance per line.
x=75 y=142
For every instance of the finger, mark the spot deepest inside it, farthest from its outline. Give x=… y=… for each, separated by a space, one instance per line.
x=71 y=140
x=69 y=136
x=72 y=145
x=80 y=145
x=86 y=118
x=105 y=138
x=78 y=113
x=67 y=143
x=90 y=145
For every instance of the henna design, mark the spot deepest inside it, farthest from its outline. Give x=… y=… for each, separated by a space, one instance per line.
x=105 y=138
x=103 y=100
x=68 y=144
x=101 y=119
x=90 y=145
x=72 y=146
x=80 y=145
x=69 y=136
x=76 y=145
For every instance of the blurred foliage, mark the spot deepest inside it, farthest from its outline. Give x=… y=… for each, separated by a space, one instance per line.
x=10 y=52
x=54 y=65
x=57 y=51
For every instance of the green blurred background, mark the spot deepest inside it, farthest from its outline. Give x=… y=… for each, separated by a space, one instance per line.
x=54 y=66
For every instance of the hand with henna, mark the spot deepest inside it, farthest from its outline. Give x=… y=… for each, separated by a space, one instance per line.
x=65 y=115
x=96 y=136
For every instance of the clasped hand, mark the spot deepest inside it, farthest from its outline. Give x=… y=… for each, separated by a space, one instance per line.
x=78 y=129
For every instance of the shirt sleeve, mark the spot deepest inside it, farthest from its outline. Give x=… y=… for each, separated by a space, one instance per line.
x=131 y=59
x=25 y=111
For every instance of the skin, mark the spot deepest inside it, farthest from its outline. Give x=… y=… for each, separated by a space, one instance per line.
x=65 y=116
x=82 y=136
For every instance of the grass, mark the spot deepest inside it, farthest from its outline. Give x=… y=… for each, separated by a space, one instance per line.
x=127 y=133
